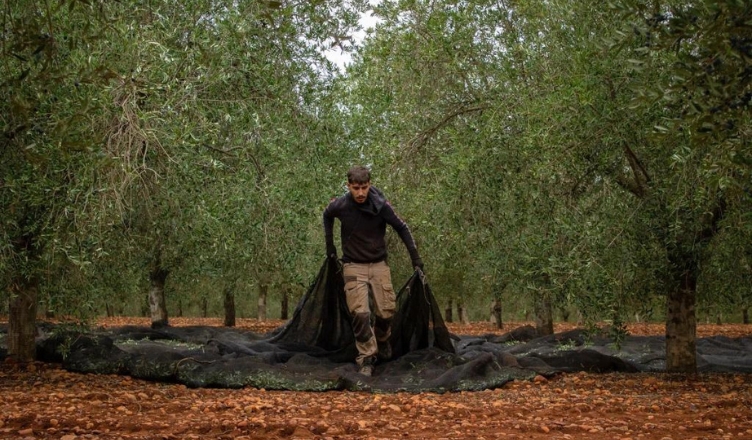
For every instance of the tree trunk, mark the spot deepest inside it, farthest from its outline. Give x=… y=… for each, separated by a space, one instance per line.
x=544 y=317
x=145 y=307
x=448 y=311
x=565 y=315
x=745 y=315
x=229 y=306
x=157 y=303
x=681 y=321
x=681 y=318
x=263 y=292
x=462 y=313
x=110 y=310
x=681 y=325
x=496 y=313
x=285 y=306
x=48 y=312
x=204 y=307
x=22 y=328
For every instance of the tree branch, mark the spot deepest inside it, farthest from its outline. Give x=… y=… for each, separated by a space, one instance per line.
x=638 y=185
x=422 y=138
x=228 y=152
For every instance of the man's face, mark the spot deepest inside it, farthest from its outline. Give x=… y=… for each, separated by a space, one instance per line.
x=359 y=191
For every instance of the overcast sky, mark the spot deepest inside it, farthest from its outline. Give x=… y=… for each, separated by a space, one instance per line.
x=341 y=59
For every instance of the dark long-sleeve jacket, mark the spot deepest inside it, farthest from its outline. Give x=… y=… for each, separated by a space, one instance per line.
x=363 y=227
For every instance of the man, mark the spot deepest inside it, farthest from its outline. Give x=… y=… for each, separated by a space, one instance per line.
x=364 y=213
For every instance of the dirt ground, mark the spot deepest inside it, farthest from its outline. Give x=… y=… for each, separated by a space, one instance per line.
x=42 y=401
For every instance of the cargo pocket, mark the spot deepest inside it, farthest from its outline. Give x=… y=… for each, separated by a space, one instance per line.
x=356 y=296
x=388 y=302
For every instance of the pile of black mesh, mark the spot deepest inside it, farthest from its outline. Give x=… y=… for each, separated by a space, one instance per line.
x=314 y=351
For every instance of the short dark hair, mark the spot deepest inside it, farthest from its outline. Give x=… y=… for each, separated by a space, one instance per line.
x=358 y=174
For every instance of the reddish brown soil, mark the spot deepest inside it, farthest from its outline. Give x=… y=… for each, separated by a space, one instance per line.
x=42 y=401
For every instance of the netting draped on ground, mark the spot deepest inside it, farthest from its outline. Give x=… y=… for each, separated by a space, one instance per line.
x=314 y=350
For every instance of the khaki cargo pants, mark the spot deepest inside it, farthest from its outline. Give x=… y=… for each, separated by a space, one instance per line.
x=360 y=281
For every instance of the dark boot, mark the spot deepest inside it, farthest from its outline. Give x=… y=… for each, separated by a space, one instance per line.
x=367 y=368
x=385 y=351
x=382 y=329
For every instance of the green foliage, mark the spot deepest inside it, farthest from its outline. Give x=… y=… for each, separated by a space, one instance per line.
x=179 y=135
x=48 y=92
x=536 y=149
x=535 y=165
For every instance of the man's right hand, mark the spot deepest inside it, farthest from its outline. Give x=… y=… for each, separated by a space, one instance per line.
x=331 y=251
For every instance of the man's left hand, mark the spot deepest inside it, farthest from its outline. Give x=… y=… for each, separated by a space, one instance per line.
x=418 y=264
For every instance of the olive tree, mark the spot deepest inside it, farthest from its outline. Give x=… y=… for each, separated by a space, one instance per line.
x=111 y=112
x=50 y=191
x=701 y=140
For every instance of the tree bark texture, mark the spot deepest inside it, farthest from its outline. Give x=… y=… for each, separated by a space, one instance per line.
x=544 y=317
x=448 y=311
x=462 y=313
x=229 y=304
x=22 y=328
x=157 y=303
x=681 y=325
x=496 y=313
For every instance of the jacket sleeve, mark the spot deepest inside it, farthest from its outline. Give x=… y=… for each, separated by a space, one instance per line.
x=402 y=230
